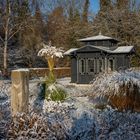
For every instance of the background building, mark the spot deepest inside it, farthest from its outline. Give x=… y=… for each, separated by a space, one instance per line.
x=99 y=54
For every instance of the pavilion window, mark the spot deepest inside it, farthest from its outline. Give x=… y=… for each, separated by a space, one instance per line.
x=95 y=43
x=82 y=66
x=100 y=65
x=111 y=64
x=91 y=66
x=105 y=43
x=99 y=43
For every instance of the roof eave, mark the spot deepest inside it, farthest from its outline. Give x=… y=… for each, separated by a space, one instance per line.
x=82 y=40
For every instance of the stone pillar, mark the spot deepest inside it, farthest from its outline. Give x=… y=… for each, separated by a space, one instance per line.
x=20 y=91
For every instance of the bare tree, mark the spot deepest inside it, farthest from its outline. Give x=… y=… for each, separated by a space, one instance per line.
x=105 y=4
x=9 y=27
x=22 y=18
x=85 y=11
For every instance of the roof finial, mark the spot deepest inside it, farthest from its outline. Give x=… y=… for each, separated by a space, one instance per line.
x=50 y=43
x=100 y=33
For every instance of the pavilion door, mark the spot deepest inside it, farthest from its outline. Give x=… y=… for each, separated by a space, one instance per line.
x=110 y=65
x=86 y=70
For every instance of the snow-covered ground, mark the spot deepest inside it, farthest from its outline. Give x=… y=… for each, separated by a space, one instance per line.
x=74 y=119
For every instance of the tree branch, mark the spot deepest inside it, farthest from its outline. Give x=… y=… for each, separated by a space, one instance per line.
x=14 y=33
x=14 y=27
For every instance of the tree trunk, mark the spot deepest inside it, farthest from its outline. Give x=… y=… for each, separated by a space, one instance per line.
x=85 y=11
x=5 y=47
x=8 y=10
x=5 y=57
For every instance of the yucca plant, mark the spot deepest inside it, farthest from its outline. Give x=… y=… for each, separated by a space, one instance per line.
x=55 y=93
x=50 y=53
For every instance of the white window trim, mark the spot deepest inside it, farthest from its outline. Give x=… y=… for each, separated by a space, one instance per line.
x=98 y=66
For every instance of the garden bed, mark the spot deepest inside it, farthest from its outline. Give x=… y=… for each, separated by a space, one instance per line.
x=75 y=118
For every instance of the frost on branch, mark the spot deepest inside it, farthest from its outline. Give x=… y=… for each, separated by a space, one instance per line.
x=34 y=126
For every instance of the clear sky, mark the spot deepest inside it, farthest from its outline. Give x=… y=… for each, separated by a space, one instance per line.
x=94 y=5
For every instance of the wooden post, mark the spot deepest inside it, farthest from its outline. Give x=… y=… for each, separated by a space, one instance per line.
x=20 y=91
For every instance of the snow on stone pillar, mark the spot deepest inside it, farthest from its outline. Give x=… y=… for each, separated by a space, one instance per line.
x=20 y=91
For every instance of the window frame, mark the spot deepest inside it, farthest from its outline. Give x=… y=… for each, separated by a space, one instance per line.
x=94 y=65
x=109 y=64
x=82 y=67
x=102 y=66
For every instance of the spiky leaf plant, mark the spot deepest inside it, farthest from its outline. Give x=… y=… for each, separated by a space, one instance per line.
x=52 y=91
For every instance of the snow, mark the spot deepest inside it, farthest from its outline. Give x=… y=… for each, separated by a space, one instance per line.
x=98 y=37
x=73 y=89
x=122 y=49
x=70 y=51
x=21 y=69
x=50 y=51
x=75 y=118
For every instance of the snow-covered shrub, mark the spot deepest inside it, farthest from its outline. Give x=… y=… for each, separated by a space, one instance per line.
x=34 y=126
x=128 y=97
x=122 y=89
x=4 y=90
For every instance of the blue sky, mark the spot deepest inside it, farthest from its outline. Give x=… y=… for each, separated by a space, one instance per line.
x=94 y=5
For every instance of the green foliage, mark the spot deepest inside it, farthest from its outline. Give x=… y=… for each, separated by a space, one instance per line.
x=56 y=94
x=50 y=79
x=50 y=90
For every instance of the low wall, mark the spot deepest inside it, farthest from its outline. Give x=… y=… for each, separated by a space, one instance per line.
x=58 y=72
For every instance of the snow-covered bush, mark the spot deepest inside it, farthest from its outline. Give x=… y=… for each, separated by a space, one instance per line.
x=34 y=126
x=122 y=89
x=76 y=118
x=4 y=90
